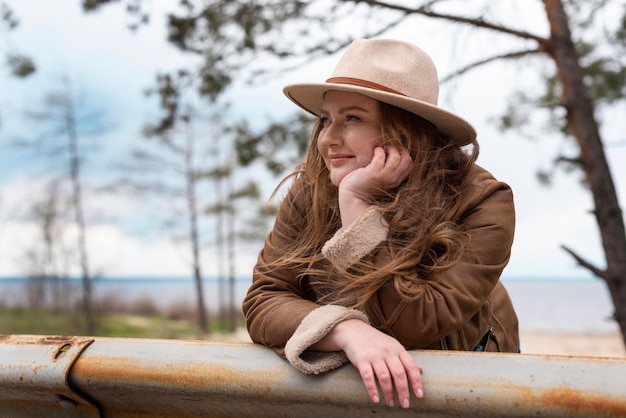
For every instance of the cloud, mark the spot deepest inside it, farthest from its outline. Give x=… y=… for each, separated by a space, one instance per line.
x=117 y=242
x=114 y=253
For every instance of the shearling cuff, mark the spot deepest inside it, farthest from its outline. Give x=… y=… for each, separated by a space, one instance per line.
x=313 y=328
x=350 y=245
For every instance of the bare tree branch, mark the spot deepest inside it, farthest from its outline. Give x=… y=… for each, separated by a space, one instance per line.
x=317 y=51
x=426 y=10
x=510 y=55
x=585 y=264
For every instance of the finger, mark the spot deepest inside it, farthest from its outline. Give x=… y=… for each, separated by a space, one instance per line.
x=414 y=374
x=397 y=168
x=392 y=157
x=389 y=171
x=399 y=375
x=385 y=381
x=369 y=380
x=401 y=159
x=397 y=157
x=378 y=160
x=406 y=162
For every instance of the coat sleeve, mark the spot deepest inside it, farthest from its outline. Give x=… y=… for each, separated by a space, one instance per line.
x=277 y=311
x=275 y=303
x=351 y=244
x=449 y=299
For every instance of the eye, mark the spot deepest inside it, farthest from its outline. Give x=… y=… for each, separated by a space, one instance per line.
x=352 y=118
x=324 y=120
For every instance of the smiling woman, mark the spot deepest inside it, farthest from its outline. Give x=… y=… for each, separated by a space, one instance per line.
x=390 y=237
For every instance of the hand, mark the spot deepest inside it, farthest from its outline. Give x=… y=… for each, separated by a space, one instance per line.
x=388 y=169
x=377 y=356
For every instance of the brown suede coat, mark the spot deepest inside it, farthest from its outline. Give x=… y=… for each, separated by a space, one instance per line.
x=458 y=307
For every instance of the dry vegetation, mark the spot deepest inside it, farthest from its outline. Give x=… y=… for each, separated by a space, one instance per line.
x=115 y=317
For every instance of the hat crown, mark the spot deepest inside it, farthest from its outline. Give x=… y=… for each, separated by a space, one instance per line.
x=394 y=72
x=398 y=66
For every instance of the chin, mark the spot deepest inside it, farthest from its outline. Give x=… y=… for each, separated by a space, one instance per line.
x=335 y=182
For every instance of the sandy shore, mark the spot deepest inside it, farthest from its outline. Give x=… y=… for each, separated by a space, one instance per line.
x=554 y=343
x=594 y=345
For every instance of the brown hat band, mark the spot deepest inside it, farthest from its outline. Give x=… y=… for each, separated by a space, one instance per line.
x=362 y=83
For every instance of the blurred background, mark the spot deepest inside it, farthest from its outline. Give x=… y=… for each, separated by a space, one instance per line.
x=140 y=142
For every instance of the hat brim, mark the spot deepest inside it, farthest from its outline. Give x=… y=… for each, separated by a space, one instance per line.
x=309 y=96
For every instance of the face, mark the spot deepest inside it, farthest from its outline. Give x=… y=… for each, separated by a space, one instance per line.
x=351 y=129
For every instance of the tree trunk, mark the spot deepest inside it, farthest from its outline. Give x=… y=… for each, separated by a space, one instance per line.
x=220 y=218
x=193 y=235
x=77 y=203
x=583 y=126
x=231 y=306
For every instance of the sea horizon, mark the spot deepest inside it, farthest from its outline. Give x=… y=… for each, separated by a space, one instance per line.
x=543 y=304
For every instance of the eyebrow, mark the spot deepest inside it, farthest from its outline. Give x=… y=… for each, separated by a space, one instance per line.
x=347 y=109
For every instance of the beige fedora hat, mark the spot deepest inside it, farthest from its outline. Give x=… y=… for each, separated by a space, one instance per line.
x=394 y=72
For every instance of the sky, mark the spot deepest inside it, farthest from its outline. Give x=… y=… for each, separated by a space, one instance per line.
x=114 y=66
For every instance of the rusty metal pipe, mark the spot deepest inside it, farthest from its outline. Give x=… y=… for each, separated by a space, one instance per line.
x=157 y=378
x=184 y=378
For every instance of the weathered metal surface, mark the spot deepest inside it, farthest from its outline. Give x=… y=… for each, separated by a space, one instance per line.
x=158 y=378
x=186 y=378
x=33 y=377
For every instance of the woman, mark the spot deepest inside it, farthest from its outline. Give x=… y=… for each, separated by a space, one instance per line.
x=390 y=237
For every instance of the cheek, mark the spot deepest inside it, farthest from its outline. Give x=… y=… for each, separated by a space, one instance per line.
x=367 y=156
x=322 y=152
x=367 y=152
x=318 y=144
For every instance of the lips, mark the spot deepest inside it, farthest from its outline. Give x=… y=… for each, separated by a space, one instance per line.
x=339 y=158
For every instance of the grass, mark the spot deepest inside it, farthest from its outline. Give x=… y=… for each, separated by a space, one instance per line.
x=36 y=312
x=20 y=320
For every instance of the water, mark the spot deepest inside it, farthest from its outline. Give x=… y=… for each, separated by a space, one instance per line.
x=551 y=305
x=164 y=292
x=562 y=305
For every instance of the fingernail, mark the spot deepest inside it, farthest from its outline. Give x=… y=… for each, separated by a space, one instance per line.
x=405 y=403
x=375 y=399
x=420 y=393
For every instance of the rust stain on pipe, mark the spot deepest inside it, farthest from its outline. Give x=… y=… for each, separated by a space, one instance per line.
x=577 y=401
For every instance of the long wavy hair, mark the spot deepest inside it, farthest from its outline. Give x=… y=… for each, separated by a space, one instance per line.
x=423 y=236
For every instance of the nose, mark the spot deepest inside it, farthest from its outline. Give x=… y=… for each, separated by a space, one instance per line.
x=331 y=135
